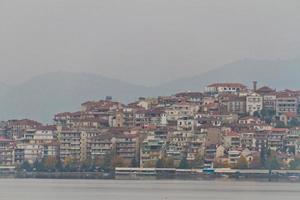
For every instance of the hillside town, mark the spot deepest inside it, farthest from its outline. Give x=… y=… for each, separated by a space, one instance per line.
x=227 y=125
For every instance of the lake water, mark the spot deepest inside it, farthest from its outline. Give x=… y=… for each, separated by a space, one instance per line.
x=35 y=189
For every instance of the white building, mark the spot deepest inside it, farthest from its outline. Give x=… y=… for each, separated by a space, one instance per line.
x=44 y=135
x=185 y=123
x=233 y=157
x=254 y=102
x=225 y=88
x=32 y=152
x=179 y=110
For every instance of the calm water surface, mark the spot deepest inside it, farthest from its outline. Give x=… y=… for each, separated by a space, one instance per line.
x=35 y=189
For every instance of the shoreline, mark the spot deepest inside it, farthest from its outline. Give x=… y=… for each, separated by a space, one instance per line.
x=104 y=176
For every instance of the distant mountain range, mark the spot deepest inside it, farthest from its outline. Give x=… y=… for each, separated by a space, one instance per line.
x=43 y=96
x=277 y=74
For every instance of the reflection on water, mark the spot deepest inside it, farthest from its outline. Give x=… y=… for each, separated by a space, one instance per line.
x=34 y=189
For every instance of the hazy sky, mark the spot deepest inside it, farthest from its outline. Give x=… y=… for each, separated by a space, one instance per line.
x=142 y=41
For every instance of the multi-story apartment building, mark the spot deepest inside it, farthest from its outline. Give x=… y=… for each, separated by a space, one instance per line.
x=248 y=140
x=191 y=97
x=66 y=119
x=100 y=106
x=232 y=104
x=6 y=152
x=116 y=119
x=210 y=155
x=147 y=103
x=128 y=116
x=32 y=152
x=254 y=103
x=151 y=151
x=19 y=156
x=127 y=146
x=196 y=147
x=18 y=128
x=178 y=143
x=231 y=139
x=233 y=157
x=182 y=109
x=217 y=88
x=69 y=141
x=290 y=143
x=156 y=116
x=101 y=145
x=186 y=123
x=44 y=135
x=269 y=97
x=286 y=102
x=261 y=140
x=276 y=138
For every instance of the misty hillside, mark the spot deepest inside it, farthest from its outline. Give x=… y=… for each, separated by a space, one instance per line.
x=43 y=96
x=278 y=74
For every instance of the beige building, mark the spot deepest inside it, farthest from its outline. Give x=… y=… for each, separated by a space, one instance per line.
x=6 y=152
x=213 y=137
x=101 y=145
x=69 y=141
x=32 y=152
x=231 y=139
x=151 y=151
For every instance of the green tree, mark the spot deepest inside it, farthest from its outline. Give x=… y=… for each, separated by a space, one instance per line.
x=159 y=163
x=280 y=124
x=38 y=166
x=273 y=161
x=184 y=164
x=87 y=165
x=267 y=114
x=295 y=164
x=107 y=162
x=292 y=150
x=59 y=166
x=26 y=166
x=256 y=114
x=165 y=162
x=198 y=162
x=294 y=123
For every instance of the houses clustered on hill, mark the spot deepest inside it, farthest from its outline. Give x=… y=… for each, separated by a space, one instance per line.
x=228 y=125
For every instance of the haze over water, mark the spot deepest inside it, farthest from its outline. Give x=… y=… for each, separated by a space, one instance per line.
x=28 y=189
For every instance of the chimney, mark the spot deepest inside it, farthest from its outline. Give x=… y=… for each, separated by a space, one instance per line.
x=254 y=86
